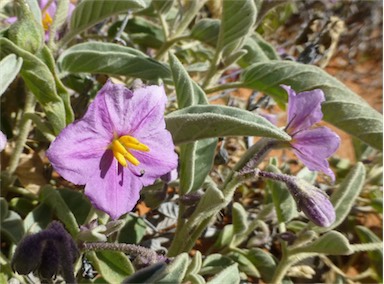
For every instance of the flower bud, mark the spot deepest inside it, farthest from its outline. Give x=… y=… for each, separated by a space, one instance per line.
x=312 y=201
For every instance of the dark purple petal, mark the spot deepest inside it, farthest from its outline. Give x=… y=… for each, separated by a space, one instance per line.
x=314 y=146
x=304 y=109
x=160 y=159
x=115 y=190
x=75 y=154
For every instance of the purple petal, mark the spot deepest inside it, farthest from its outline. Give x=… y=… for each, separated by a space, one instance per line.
x=114 y=189
x=160 y=159
x=314 y=146
x=304 y=109
x=75 y=154
x=51 y=9
x=3 y=141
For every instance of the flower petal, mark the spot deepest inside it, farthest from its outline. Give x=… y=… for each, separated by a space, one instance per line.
x=304 y=109
x=314 y=146
x=114 y=189
x=160 y=159
x=3 y=141
x=75 y=154
x=109 y=109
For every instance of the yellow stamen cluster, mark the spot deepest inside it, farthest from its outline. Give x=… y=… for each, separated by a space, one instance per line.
x=47 y=21
x=121 y=149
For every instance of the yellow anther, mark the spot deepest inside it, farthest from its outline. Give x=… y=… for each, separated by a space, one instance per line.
x=131 y=159
x=121 y=146
x=47 y=21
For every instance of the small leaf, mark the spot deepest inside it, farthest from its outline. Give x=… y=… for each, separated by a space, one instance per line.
x=9 y=67
x=228 y=275
x=88 y=13
x=77 y=203
x=343 y=108
x=331 y=243
x=199 y=122
x=264 y=263
x=110 y=58
x=38 y=219
x=214 y=263
x=53 y=199
x=206 y=31
x=176 y=270
x=376 y=256
x=113 y=266
x=133 y=230
x=162 y=6
x=12 y=226
x=148 y=274
x=239 y=219
x=225 y=237
x=237 y=20
x=195 y=265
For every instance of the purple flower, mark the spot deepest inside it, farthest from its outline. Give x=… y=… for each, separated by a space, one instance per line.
x=312 y=145
x=3 y=141
x=119 y=146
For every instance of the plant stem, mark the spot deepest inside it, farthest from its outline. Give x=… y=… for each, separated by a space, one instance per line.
x=167 y=45
x=24 y=128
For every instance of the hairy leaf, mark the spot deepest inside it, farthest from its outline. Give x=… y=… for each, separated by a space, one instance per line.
x=176 y=270
x=199 y=122
x=228 y=275
x=9 y=67
x=109 y=58
x=343 y=108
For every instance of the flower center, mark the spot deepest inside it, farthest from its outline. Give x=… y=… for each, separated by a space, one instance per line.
x=121 y=149
x=47 y=21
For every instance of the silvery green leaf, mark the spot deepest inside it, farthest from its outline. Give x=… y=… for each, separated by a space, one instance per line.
x=195 y=265
x=307 y=175
x=12 y=226
x=59 y=18
x=228 y=275
x=287 y=209
x=206 y=31
x=196 y=157
x=376 y=256
x=35 y=9
x=9 y=68
x=88 y=13
x=239 y=218
x=225 y=237
x=176 y=270
x=162 y=6
x=234 y=57
x=206 y=121
x=148 y=274
x=237 y=20
x=264 y=262
x=194 y=279
x=343 y=108
x=40 y=81
x=345 y=195
x=110 y=58
x=214 y=263
x=331 y=243
x=254 y=53
x=113 y=266
x=245 y=265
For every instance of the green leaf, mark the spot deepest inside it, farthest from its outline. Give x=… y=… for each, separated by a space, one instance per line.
x=133 y=230
x=283 y=201
x=214 y=263
x=9 y=68
x=60 y=17
x=176 y=270
x=40 y=81
x=77 y=203
x=228 y=275
x=206 y=31
x=113 y=59
x=12 y=226
x=196 y=159
x=113 y=266
x=53 y=199
x=195 y=265
x=162 y=6
x=376 y=256
x=225 y=237
x=148 y=274
x=343 y=108
x=331 y=243
x=38 y=219
x=89 y=12
x=206 y=121
x=237 y=20
x=264 y=263
x=35 y=9
x=344 y=197
x=239 y=218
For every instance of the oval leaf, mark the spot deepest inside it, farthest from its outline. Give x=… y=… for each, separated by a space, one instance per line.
x=9 y=68
x=109 y=58
x=343 y=108
x=176 y=270
x=205 y=121
x=89 y=12
x=228 y=275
